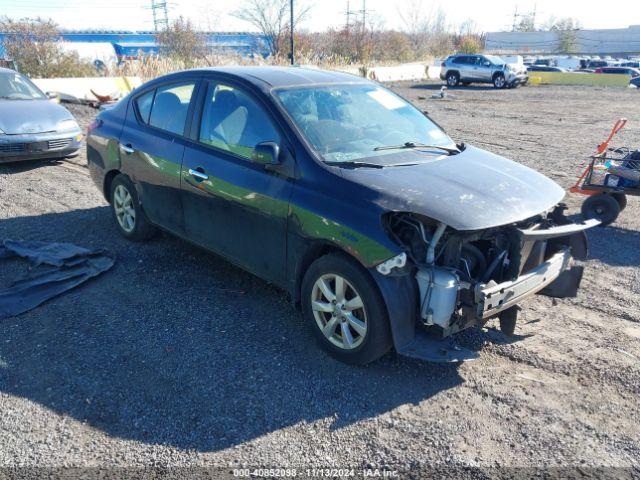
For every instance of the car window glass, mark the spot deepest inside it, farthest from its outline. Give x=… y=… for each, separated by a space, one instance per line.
x=233 y=121
x=14 y=86
x=170 y=107
x=348 y=122
x=143 y=102
x=460 y=60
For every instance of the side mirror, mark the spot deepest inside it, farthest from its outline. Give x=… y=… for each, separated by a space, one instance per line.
x=53 y=96
x=267 y=154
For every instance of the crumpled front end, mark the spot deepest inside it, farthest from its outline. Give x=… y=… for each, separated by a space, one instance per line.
x=465 y=278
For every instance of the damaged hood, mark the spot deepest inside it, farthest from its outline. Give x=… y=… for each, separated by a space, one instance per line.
x=472 y=190
x=31 y=116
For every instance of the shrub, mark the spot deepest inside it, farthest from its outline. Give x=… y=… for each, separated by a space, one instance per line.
x=34 y=46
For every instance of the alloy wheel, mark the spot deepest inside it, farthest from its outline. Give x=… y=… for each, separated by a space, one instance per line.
x=499 y=81
x=123 y=206
x=339 y=311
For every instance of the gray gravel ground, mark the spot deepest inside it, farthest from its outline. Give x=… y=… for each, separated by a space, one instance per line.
x=177 y=358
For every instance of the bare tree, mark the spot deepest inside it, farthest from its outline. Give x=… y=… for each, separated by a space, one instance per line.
x=182 y=42
x=271 y=17
x=562 y=24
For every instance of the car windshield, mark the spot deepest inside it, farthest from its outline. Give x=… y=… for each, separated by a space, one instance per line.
x=14 y=86
x=495 y=60
x=345 y=123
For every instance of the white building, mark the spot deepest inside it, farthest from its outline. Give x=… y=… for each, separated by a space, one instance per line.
x=616 y=42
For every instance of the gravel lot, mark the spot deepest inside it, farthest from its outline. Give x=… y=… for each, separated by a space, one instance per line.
x=177 y=358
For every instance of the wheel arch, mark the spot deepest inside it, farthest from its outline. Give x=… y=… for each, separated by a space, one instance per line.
x=108 y=180
x=399 y=293
x=313 y=252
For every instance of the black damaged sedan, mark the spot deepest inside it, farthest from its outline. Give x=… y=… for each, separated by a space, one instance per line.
x=384 y=230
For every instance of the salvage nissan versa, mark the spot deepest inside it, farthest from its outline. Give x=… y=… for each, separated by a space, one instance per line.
x=381 y=227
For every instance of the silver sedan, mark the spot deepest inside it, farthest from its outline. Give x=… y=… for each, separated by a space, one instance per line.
x=31 y=125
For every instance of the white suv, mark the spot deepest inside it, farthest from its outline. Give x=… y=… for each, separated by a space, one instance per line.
x=465 y=69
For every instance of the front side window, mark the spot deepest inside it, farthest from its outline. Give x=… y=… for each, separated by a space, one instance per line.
x=170 y=107
x=14 y=86
x=234 y=121
x=348 y=122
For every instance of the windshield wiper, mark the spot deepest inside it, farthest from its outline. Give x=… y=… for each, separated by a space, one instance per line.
x=352 y=164
x=450 y=151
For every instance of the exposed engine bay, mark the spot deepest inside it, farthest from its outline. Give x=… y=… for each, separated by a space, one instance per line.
x=467 y=277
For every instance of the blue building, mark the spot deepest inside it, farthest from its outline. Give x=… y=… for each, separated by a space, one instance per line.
x=123 y=44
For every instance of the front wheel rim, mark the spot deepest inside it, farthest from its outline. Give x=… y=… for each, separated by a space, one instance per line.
x=125 y=211
x=339 y=311
x=499 y=82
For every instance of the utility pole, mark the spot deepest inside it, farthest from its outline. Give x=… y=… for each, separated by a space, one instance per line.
x=364 y=16
x=515 y=19
x=160 y=15
x=293 y=62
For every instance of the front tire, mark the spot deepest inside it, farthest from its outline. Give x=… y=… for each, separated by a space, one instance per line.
x=499 y=81
x=127 y=212
x=342 y=304
x=602 y=207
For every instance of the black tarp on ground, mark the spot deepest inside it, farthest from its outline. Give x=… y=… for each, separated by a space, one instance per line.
x=57 y=267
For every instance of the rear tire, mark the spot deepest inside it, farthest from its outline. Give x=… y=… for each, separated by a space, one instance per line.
x=453 y=79
x=127 y=212
x=352 y=335
x=602 y=207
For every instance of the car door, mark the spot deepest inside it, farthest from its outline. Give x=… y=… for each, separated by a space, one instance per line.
x=466 y=68
x=152 y=145
x=232 y=205
x=484 y=68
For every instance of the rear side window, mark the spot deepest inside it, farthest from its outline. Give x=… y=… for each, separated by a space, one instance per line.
x=462 y=60
x=143 y=102
x=170 y=107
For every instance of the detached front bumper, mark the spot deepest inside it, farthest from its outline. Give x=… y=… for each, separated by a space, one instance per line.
x=15 y=148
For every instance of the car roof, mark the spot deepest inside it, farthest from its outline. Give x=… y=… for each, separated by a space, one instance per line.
x=7 y=70
x=286 y=76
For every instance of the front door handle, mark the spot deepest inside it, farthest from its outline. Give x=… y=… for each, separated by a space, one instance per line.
x=198 y=174
x=128 y=149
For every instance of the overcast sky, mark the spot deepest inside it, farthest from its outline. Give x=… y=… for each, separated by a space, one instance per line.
x=215 y=14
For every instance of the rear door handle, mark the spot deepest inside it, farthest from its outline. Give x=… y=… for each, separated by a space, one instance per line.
x=198 y=174
x=128 y=149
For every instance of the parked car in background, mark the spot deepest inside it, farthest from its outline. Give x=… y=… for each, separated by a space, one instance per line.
x=635 y=82
x=338 y=190
x=31 y=126
x=465 y=69
x=632 y=72
x=544 y=68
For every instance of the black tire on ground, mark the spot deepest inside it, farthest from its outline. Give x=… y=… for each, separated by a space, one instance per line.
x=453 y=79
x=142 y=229
x=602 y=207
x=499 y=81
x=622 y=200
x=377 y=340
